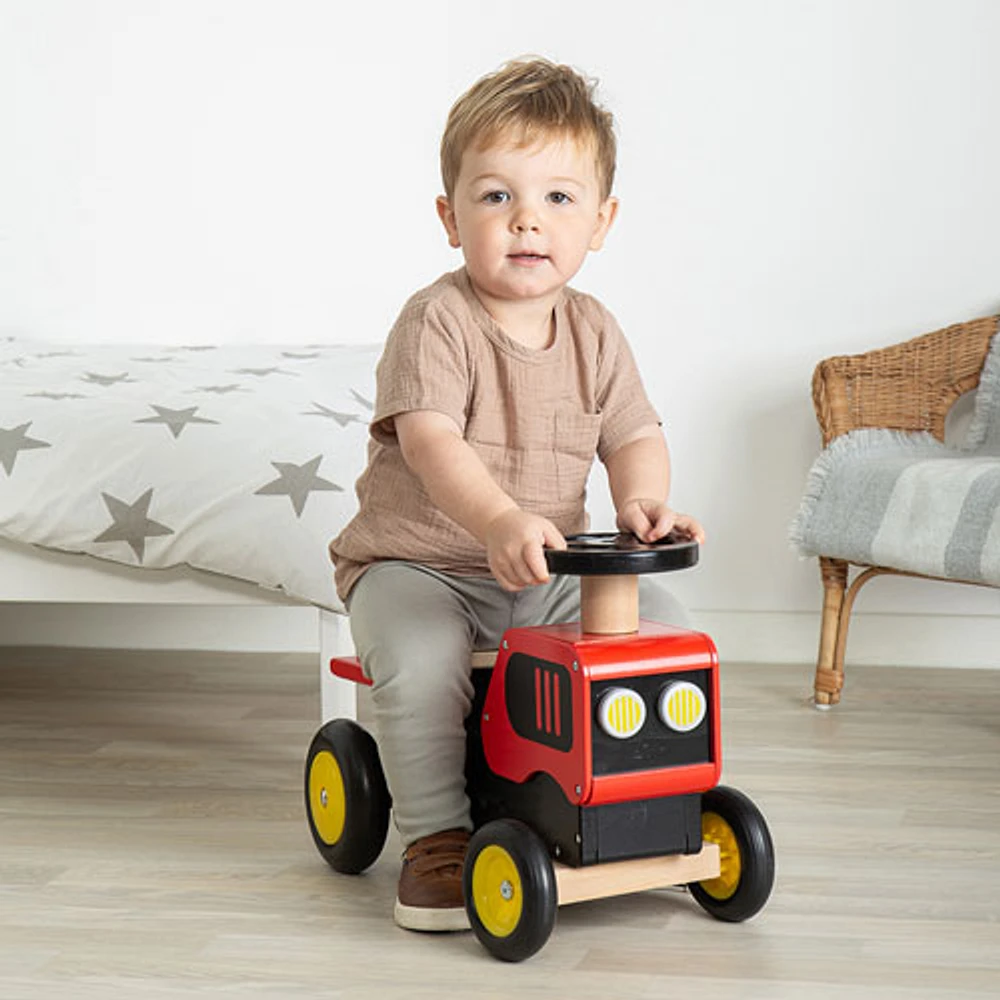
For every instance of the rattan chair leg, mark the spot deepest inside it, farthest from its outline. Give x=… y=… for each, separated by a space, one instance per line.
x=829 y=672
x=837 y=607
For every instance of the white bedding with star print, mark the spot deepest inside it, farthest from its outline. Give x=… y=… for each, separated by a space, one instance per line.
x=238 y=460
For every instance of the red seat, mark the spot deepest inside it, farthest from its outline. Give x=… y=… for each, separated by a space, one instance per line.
x=349 y=667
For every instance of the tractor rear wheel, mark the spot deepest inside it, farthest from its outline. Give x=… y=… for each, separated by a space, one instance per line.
x=347 y=801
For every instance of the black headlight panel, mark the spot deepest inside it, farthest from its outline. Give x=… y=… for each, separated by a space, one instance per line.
x=671 y=728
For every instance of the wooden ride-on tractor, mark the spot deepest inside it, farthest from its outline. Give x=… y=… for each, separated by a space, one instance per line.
x=593 y=762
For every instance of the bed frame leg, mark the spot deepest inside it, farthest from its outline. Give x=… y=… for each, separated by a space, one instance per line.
x=338 y=697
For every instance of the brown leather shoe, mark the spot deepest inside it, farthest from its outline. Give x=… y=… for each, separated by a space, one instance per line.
x=429 y=897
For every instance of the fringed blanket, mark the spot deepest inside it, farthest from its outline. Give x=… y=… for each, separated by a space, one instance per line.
x=906 y=501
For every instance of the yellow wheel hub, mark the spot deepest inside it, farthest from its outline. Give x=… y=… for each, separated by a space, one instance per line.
x=496 y=891
x=327 y=803
x=717 y=831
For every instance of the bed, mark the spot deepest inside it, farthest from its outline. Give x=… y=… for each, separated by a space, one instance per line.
x=185 y=474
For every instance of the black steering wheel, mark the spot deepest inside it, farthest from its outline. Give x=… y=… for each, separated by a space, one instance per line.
x=612 y=553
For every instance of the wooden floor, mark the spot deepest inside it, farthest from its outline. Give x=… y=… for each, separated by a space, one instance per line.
x=153 y=845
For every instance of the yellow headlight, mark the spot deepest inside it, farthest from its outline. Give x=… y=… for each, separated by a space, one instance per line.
x=682 y=706
x=621 y=713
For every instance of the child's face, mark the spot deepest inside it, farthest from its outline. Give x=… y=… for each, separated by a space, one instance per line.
x=525 y=218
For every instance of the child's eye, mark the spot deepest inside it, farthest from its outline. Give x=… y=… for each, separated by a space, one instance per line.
x=559 y=198
x=496 y=197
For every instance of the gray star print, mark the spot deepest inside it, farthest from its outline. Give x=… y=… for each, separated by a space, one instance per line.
x=297 y=482
x=176 y=420
x=105 y=379
x=342 y=418
x=13 y=440
x=131 y=524
x=220 y=389
x=366 y=403
x=262 y=372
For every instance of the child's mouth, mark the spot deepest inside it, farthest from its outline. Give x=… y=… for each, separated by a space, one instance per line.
x=527 y=258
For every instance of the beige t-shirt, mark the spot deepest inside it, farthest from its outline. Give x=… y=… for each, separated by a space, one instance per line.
x=536 y=418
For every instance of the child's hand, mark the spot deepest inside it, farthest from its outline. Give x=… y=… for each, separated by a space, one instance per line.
x=514 y=547
x=650 y=520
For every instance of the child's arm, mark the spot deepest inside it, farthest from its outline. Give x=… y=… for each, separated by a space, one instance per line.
x=639 y=478
x=459 y=484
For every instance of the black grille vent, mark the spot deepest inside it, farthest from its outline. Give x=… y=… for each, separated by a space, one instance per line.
x=539 y=701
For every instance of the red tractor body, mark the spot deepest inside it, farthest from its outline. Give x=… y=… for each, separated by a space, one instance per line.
x=543 y=712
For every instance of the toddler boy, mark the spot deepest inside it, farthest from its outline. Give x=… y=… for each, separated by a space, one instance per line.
x=497 y=387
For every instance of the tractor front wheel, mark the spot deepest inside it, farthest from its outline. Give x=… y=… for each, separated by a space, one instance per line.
x=744 y=883
x=510 y=889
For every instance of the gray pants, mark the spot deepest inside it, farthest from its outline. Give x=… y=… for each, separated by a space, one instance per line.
x=414 y=629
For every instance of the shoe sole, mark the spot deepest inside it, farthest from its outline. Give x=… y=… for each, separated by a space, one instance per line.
x=429 y=918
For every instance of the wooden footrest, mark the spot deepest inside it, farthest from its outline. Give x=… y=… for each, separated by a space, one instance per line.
x=574 y=885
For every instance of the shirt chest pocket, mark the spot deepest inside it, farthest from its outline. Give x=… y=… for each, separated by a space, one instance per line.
x=576 y=437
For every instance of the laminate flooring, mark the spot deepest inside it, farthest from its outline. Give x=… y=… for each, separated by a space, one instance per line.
x=153 y=845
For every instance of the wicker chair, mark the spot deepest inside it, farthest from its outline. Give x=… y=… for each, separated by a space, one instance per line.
x=910 y=386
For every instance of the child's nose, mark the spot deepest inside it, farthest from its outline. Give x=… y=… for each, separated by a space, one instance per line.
x=524 y=220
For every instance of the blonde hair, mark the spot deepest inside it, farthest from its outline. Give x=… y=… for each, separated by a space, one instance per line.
x=526 y=100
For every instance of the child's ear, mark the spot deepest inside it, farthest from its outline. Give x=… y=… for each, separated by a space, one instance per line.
x=605 y=216
x=447 y=216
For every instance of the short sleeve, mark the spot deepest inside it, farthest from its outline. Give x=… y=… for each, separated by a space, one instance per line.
x=424 y=366
x=621 y=397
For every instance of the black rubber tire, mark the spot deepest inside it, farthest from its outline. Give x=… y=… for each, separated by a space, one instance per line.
x=755 y=857
x=363 y=798
x=535 y=889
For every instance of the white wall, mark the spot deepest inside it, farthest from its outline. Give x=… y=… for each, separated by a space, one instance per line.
x=797 y=179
